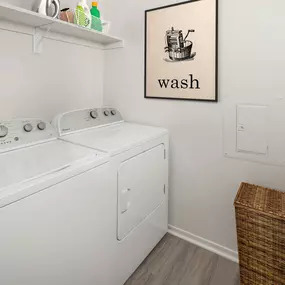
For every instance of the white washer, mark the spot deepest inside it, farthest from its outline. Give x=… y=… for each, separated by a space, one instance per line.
x=54 y=208
x=139 y=159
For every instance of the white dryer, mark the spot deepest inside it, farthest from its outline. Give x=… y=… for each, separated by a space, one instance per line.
x=54 y=208
x=139 y=159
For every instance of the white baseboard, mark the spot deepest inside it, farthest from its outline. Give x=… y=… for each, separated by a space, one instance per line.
x=204 y=243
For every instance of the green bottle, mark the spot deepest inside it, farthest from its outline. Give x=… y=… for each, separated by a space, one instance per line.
x=96 y=17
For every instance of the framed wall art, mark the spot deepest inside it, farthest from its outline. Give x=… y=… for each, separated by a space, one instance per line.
x=181 y=51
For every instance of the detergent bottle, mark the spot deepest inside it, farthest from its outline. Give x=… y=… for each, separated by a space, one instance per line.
x=82 y=15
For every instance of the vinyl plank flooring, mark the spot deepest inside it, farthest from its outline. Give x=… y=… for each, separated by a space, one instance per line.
x=180 y=266
x=154 y=262
x=226 y=273
x=175 y=265
x=177 y=262
x=163 y=254
x=140 y=277
x=201 y=268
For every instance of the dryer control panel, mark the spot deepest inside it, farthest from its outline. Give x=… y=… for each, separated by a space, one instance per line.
x=74 y=121
x=22 y=132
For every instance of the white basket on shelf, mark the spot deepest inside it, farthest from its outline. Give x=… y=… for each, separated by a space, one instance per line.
x=106 y=26
x=82 y=19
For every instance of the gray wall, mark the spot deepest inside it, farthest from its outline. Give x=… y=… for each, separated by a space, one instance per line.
x=64 y=77
x=203 y=182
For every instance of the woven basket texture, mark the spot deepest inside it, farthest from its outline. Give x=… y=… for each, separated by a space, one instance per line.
x=260 y=218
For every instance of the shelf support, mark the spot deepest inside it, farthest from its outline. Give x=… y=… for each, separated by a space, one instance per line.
x=39 y=35
x=117 y=45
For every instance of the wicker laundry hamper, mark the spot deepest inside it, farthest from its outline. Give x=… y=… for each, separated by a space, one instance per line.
x=260 y=217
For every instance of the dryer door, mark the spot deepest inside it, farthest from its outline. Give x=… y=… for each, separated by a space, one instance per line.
x=141 y=188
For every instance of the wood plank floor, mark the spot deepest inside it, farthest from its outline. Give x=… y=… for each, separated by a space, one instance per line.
x=177 y=262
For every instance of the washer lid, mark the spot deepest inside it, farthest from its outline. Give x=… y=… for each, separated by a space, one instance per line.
x=116 y=138
x=31 y=163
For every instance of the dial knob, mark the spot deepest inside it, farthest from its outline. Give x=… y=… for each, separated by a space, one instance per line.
x=41 y=126
x=106 y=113
x=28 y=128
x=113 y=112
x=3 y=131
x=93 y=114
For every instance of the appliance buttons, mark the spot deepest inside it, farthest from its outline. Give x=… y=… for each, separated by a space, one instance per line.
x=28 y=128
x=113 y=112
x=3 y=131
x=41 y=126
x=106 y=113
x=93 y=114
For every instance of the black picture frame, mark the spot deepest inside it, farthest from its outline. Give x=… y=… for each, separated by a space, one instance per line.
x=216 y=99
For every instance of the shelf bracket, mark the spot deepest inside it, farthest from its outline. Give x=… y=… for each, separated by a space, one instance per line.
x=117 y=45
x=40 y=33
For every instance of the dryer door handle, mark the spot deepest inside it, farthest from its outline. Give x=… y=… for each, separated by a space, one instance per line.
x=127 y=208
x=125 y=200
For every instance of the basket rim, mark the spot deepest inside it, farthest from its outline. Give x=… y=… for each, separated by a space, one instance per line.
x=241 y=205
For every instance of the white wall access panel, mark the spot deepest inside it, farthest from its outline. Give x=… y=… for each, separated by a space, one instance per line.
x=246 y=132
x=251 y=129
x=255 y=132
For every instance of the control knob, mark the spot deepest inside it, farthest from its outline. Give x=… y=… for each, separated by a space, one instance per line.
x=113 y=112
x=106 y=113
x=28 y=128
x=41 y=126
x=93 y=114
x=3 y=131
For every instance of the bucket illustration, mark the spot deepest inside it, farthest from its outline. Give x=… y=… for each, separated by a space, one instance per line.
x=178 y=47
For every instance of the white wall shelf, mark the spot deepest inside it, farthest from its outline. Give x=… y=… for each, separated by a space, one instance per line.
x=37 y=21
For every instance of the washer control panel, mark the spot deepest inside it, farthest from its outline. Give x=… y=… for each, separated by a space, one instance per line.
x=21 y=132
x=85 y=119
